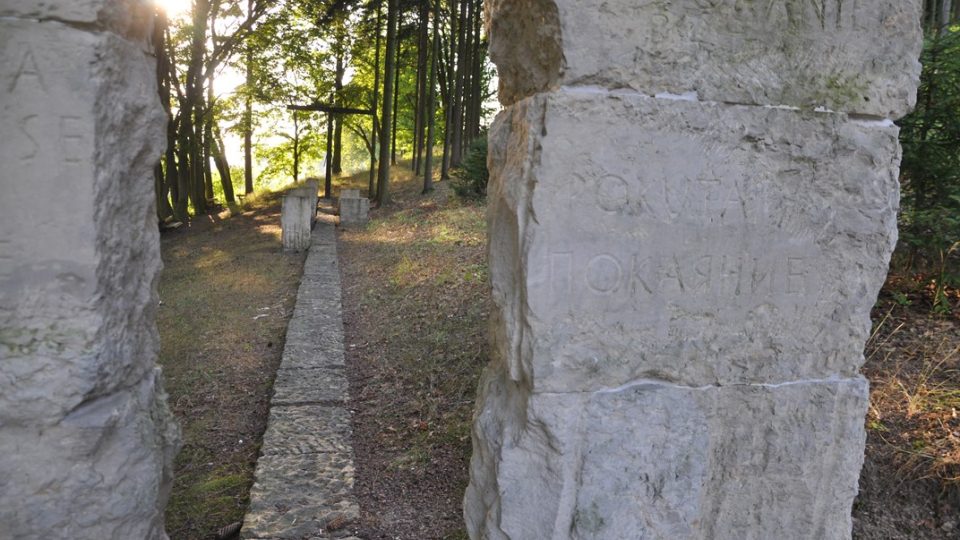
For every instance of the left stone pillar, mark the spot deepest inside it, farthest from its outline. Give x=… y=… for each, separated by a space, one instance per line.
x=86 y=439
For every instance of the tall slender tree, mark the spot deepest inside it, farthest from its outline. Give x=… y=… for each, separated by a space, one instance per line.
x=374 y=124
x=431 y=102
x=383 y=178
x=420 y=117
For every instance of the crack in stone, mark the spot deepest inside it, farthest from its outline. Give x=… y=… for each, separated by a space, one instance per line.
x=321 y=403
x=866 y=120
x=668 y=384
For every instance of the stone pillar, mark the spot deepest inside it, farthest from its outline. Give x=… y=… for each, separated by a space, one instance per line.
x=354 y=210
x=86 y=439
x=298 y=215
x=692 y=209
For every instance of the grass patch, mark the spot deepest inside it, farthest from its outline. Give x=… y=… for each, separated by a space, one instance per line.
x=227 y=292
x=416 y=306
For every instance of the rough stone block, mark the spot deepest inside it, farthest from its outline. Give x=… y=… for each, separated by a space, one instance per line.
x=87 y=441
x=300 y=354
x=78 y=253
x=716 y=245
x=297 y=216
x=129 y=18
x=354 y=211
x=654 y=460
x=99 y=473
x=857 y=56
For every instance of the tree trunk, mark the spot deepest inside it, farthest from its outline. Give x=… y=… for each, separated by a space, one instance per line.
x=421 y=109
x=338 y=119
x=383 y=178
x=191 y=121
x=374 y=125
x=296 y=148
x=207 y=136
x=431 y=91
x=161 y=187
x=328 y=174
x=184 y=179
x=479 y=54
x=466 y=108
x=456 y=124
x=248 y=120
x=447 y=83
x=220 y=159
x=946 y=9
x=396 y=101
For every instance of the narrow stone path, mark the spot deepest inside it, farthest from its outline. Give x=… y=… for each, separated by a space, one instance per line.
x=304 y=478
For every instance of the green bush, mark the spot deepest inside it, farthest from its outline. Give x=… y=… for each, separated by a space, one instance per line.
x=470 y=180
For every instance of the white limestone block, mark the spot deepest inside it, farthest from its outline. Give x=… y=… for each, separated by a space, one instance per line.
x=354 y=211
x=86 y=439
x=701 y=244
x=857 y=56
x=662 y=461
x=297 y=215
x=130 y=18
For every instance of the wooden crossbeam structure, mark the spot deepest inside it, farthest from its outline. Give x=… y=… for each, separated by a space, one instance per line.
x=330 y=110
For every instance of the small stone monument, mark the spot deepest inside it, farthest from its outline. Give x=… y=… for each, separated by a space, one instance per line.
x=354 y=210
x=298 y=215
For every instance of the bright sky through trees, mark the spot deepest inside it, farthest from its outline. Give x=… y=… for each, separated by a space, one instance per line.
x=174 y=8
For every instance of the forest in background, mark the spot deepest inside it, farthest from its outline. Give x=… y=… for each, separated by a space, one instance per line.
x=930 y=170
x=406 y=78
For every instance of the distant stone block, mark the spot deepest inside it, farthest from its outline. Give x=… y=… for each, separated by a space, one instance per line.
x=297 y=217
x=354 y=211
x=347 y=194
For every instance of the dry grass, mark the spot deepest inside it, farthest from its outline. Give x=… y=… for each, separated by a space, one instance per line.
x=913 y=360
x=911 y=482
x=227 y=292
x=415 y=302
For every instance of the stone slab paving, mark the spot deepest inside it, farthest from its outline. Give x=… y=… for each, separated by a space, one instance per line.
x=304 y=478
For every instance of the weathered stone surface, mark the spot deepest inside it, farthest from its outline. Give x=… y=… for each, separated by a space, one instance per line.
x=130 y=18
x=87 y=442
x=852 y=56
x=299 y=496
x=104 y=471
x=349 y=194
x=719 y=244
x=59 y=254
x=354 y=211
x=297 y=217
x=654 y=460
x=310 y=385
x=307 y=429
x=326 y=351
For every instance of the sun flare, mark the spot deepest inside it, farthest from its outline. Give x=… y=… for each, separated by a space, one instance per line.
x=174 y=8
